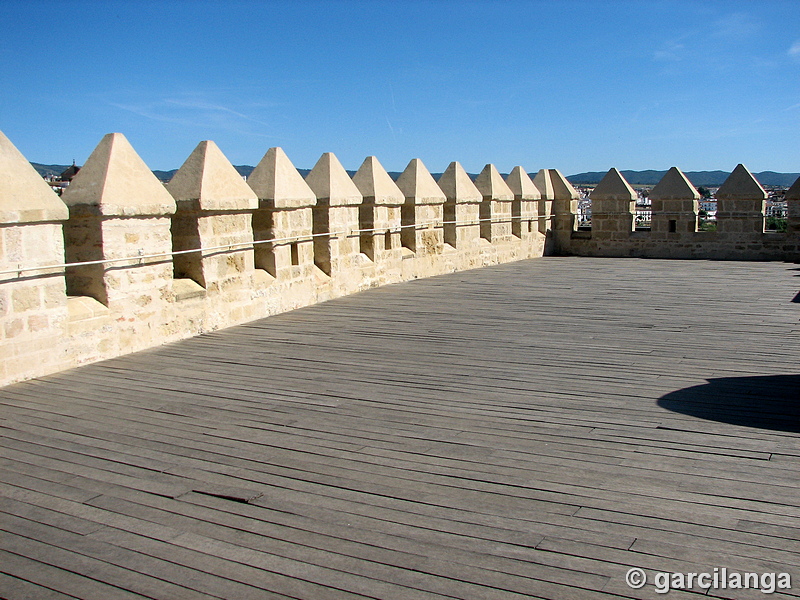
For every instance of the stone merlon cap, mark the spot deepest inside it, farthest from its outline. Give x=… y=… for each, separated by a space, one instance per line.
x=522 y=185
x=457 y=185
x=24 y=195
x=418 y=186
x=793 y=192
x=562 y=189
x=674 y=186
x=210 y=179
x=278 y=184
x=613 y=187
x=115 y=181
x=544 y=184
x=741 y=185
x=331 y=183
x=376 y=185
x=492 y=185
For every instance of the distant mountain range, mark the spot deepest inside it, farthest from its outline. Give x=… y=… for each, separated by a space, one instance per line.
x=698 y=178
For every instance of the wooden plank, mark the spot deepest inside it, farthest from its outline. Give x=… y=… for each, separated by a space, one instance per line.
x=496 y=433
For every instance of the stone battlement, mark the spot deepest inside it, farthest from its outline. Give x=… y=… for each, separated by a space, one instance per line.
x=122 y=263
x=674 y=233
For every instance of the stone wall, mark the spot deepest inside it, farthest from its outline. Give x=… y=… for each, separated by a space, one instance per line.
x=122 y=262
x=740 y=219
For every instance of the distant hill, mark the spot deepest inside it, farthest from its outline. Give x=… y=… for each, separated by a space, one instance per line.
x=165 y=176
x=698 y=178
x=50 y=170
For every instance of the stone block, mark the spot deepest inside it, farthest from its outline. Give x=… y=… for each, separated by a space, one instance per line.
x=25 y=298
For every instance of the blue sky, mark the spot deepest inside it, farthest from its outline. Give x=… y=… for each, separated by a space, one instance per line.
x=575 y=85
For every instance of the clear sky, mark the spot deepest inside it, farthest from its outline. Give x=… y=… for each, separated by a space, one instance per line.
x=575 y=85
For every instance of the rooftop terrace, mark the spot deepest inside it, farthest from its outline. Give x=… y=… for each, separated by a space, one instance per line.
x=532 y=429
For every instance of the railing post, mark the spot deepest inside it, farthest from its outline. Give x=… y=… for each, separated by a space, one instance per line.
x=461 y=208
x=613 y=208
x=284 y=214
x=674 y=202
x=214 y=208
x=741 y=203
x=33 y=304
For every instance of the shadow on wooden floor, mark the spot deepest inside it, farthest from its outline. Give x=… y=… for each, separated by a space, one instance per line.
x=767 y=402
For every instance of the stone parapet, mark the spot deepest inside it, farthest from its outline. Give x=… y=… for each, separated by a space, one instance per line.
x=739 y=233
x=793 y=207
x=525 y=206
x=495 y=208
x=740 y=204
x=546 y=194
x=674 y=202
x=283 y=222
x=422 y=212
x=462 y=228
x=613 y=209
x=565 y=207
x=33 y=302
x=129 y=242
x=379 y=217
x=122 y=263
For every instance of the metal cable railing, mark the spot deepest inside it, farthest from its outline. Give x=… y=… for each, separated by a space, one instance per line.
x=244 y=245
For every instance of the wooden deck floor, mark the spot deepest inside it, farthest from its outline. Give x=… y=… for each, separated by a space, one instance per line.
x=531 y=430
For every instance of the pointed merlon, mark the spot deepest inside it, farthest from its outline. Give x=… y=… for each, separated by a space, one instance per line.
x=331 y=183
x=115 y=181
x=613 y=187
x=418 y=185
x=457 y=185
x=522 y=185
x=674 y=186
x=375 y=184
x=24 y=196
x=492 y=185
x=208 y=178
x=793 y=193
x=562 y=189
x=277 y=183
x=544 y=184
x=741 y=184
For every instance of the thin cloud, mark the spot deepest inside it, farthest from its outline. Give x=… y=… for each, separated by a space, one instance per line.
x=671 y=52
x=674 y=50
x=794 y=51
x=206 y=106
x=195 y=113
x=735 y=26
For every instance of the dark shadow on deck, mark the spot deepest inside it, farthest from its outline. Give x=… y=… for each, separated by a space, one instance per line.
x=767 y=402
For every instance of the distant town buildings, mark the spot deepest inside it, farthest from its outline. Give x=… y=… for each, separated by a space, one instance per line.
x=776 y=207
x=59 y=182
